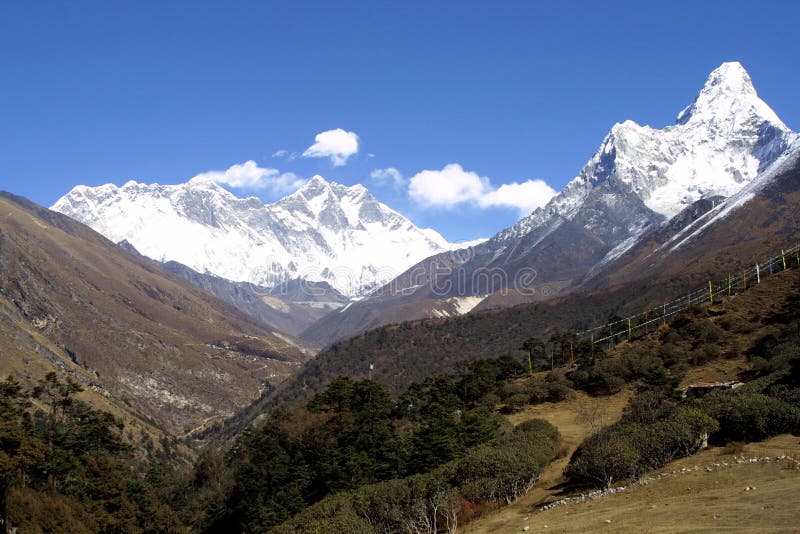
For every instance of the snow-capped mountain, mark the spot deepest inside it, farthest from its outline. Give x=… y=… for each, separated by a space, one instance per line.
x=641 y=175
x=718 y=144
x=639 y=179
x=323 y=232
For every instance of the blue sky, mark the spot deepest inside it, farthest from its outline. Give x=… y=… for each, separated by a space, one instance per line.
x=97 y=92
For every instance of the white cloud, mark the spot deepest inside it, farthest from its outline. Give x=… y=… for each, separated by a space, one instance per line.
x=447 y=187
x=249 y=175
x=525 y=196
x=287 y=182
x=336 y=144
x=389 y=175
x=453 y=185
x=280 y=153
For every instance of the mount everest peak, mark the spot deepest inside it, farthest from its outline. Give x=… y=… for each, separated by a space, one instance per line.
x=324 y=231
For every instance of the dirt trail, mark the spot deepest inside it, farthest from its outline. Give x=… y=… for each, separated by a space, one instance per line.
x=575 y=419
x=707 y=492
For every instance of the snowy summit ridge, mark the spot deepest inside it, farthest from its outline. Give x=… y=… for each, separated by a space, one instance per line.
x=719 y=144
x=322 y=232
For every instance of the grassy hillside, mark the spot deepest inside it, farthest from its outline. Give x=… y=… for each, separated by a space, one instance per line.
x=751 y=337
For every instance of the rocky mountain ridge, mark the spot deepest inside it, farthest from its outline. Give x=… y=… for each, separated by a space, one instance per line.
x=325 y=231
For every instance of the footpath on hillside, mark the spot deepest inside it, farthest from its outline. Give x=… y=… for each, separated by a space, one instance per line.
x=735 y=488
x=575 y=419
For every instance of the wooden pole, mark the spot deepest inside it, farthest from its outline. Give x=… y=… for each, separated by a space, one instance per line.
x=530 y=362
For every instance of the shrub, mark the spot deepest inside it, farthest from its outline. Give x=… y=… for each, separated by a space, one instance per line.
x=515 y=402
x=736 y=324
x=648 y=407
x=671 y=336
x=31 y=511
x=703 y=354
x=538 y=427
x=671 y=354
x=333 y=514
x=538 y=395
x=744 y=416
x=701 y=331
x=786 y=394
x=489 y=401
x=602 y=379
x=549 y=392
x=507 y=469
x=558 y=391
x=602 y=459
x=638 y=443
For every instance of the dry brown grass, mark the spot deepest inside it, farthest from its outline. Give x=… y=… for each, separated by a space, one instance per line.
x=697 y=501
x=575 y=419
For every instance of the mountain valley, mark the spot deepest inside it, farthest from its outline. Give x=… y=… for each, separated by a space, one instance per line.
x=181 y=359
x=150 y=341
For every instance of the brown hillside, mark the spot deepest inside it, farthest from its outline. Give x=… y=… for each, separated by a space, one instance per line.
x=144 y=337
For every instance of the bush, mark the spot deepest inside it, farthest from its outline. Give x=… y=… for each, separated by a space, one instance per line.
x=786 y=394
x=602 y=379
x=538 y=395
x=671 y=354
x=649 y=406
x=735 y=324
x=515 y=402
x=540 y=428
x=332 y=514
x=558 y=391
x=549 y=392
x=602 y=459
x=703 y=354
x=508 y=468
x=671 y=336
x=31 y=511
x=744 y=416
x=700 y=331
x=639 y=444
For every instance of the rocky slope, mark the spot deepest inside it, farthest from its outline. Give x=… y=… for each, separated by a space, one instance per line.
x=290 y=307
